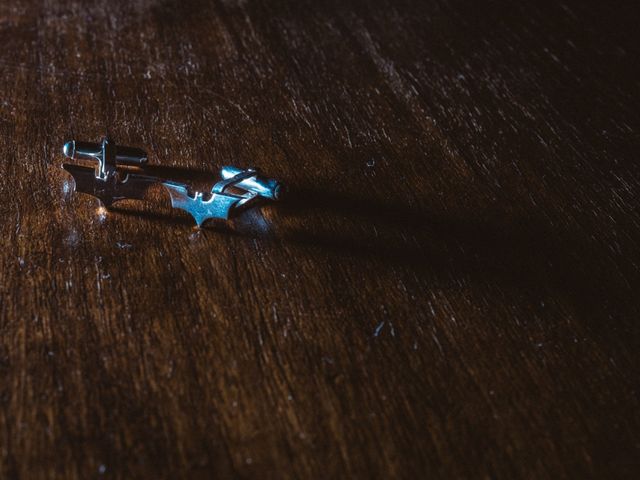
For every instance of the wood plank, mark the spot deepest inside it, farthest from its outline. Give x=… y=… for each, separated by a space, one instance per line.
x=449 y=289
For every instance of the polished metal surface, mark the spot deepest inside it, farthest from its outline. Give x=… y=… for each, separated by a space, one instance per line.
x=112 y=189
x=105 y=182
x=92 y=151
x=265 y=187
x=200 y=207
x=238 y=189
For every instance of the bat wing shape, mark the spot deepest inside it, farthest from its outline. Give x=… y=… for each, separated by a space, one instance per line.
x=109 y=191
x=220 y=205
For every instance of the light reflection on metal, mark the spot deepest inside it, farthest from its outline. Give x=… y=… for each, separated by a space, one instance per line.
x=106 y=182
x=237 y=190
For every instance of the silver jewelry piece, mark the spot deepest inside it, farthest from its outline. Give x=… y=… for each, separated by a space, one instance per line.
x=237 y=190
x=105 y=181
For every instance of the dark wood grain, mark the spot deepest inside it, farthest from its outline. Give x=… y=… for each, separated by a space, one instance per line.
x=450 y=290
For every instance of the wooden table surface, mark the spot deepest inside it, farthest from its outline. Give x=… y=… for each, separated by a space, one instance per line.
x=450 y=289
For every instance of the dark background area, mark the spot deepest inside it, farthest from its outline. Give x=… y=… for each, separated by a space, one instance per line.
x=450 y=289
